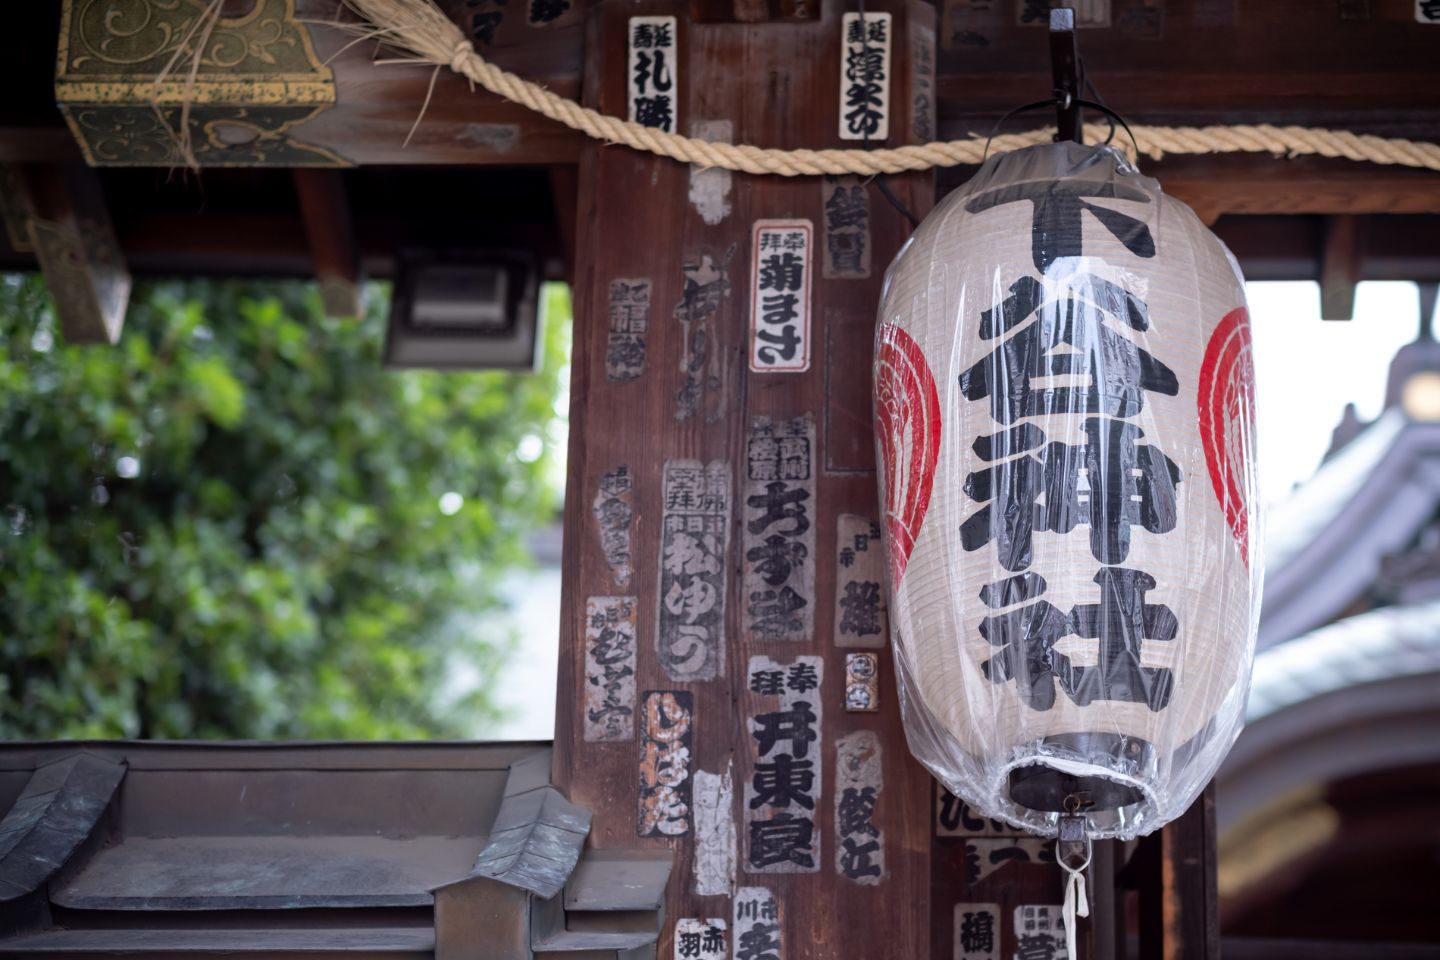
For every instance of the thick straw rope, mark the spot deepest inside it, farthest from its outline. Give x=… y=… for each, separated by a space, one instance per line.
x=422 y=28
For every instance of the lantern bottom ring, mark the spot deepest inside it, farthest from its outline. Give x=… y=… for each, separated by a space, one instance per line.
x=1041 y=787
x=1051 y=786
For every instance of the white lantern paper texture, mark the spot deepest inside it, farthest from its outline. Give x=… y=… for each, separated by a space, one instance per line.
x=1065 y=426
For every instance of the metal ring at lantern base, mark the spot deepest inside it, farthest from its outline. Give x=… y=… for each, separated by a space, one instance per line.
x=1043 y=787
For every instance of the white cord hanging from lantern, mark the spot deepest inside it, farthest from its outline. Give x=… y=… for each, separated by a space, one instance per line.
x=1064 y=410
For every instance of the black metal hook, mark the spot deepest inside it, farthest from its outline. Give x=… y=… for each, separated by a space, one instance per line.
x=1077 y=103
x=1065 y=72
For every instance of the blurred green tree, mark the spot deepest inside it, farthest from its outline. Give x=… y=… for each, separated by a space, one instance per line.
x=235 y=523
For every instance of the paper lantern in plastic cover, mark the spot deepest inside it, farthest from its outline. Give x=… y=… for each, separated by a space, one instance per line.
x=1064 y=413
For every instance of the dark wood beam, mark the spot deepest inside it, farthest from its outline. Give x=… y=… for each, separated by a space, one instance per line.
x=1174 y=873
x=67 y=226
x=1339 y=267
x=1259 y=184
x=325 y=211
x=565 y=187
x=376 y=106
x=1195 y=62
x=36 y=144
x=1223 y=59
x=1218 y=184
x=311 y=94
x=1267 y=948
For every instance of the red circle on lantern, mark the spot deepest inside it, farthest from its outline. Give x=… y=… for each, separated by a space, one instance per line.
x=907 y=415
x=1227 y=418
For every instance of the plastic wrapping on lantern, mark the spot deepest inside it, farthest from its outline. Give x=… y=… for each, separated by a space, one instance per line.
x=1064 y=412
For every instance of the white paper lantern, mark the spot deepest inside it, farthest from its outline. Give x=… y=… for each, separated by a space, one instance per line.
x=1064 y=413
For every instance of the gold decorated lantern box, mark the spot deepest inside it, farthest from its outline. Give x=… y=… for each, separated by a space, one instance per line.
x=176 y=82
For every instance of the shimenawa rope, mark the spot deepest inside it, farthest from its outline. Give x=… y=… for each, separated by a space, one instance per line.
x=422 y=29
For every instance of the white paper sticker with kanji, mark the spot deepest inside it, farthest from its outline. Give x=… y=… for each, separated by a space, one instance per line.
x=697 y=939
x=654 y=94
x=785 y=790
x=1040 y=932
x=865 y=76
x=860 y=611
x=780 y=298
x=757 y=925
x=977 y=931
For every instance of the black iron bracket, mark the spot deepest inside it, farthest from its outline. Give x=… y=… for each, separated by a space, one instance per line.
x=1065 y=70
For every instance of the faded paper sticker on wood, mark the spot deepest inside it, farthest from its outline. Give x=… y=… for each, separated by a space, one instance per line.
x=613 y=512
x=665 y=751
x=846 y=250
x=609 y=668
x=861 y=615
x=779 y=535
x=697 y=939
x=862 y=682
x=785 y=788
x=977 y=931
x=859 y=780
x=690 y=623
x=714 y=833
x=757 y=925
x=705 y=370
x=629 y=328
x=1040 y=932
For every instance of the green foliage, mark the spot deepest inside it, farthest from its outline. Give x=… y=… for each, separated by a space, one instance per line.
x=231 y=524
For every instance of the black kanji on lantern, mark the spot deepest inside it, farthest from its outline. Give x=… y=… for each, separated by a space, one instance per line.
x=1109 y=483
x=1121 y=621
x=1058 y=208
x=1068 y=338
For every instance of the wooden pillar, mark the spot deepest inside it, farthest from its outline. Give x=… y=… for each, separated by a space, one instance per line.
x=334 y=251
x=1178 y=903
x=706 y=500
x=684 y=634
x=59 y=212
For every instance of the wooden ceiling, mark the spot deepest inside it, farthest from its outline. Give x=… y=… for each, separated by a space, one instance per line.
x=1363 y=65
